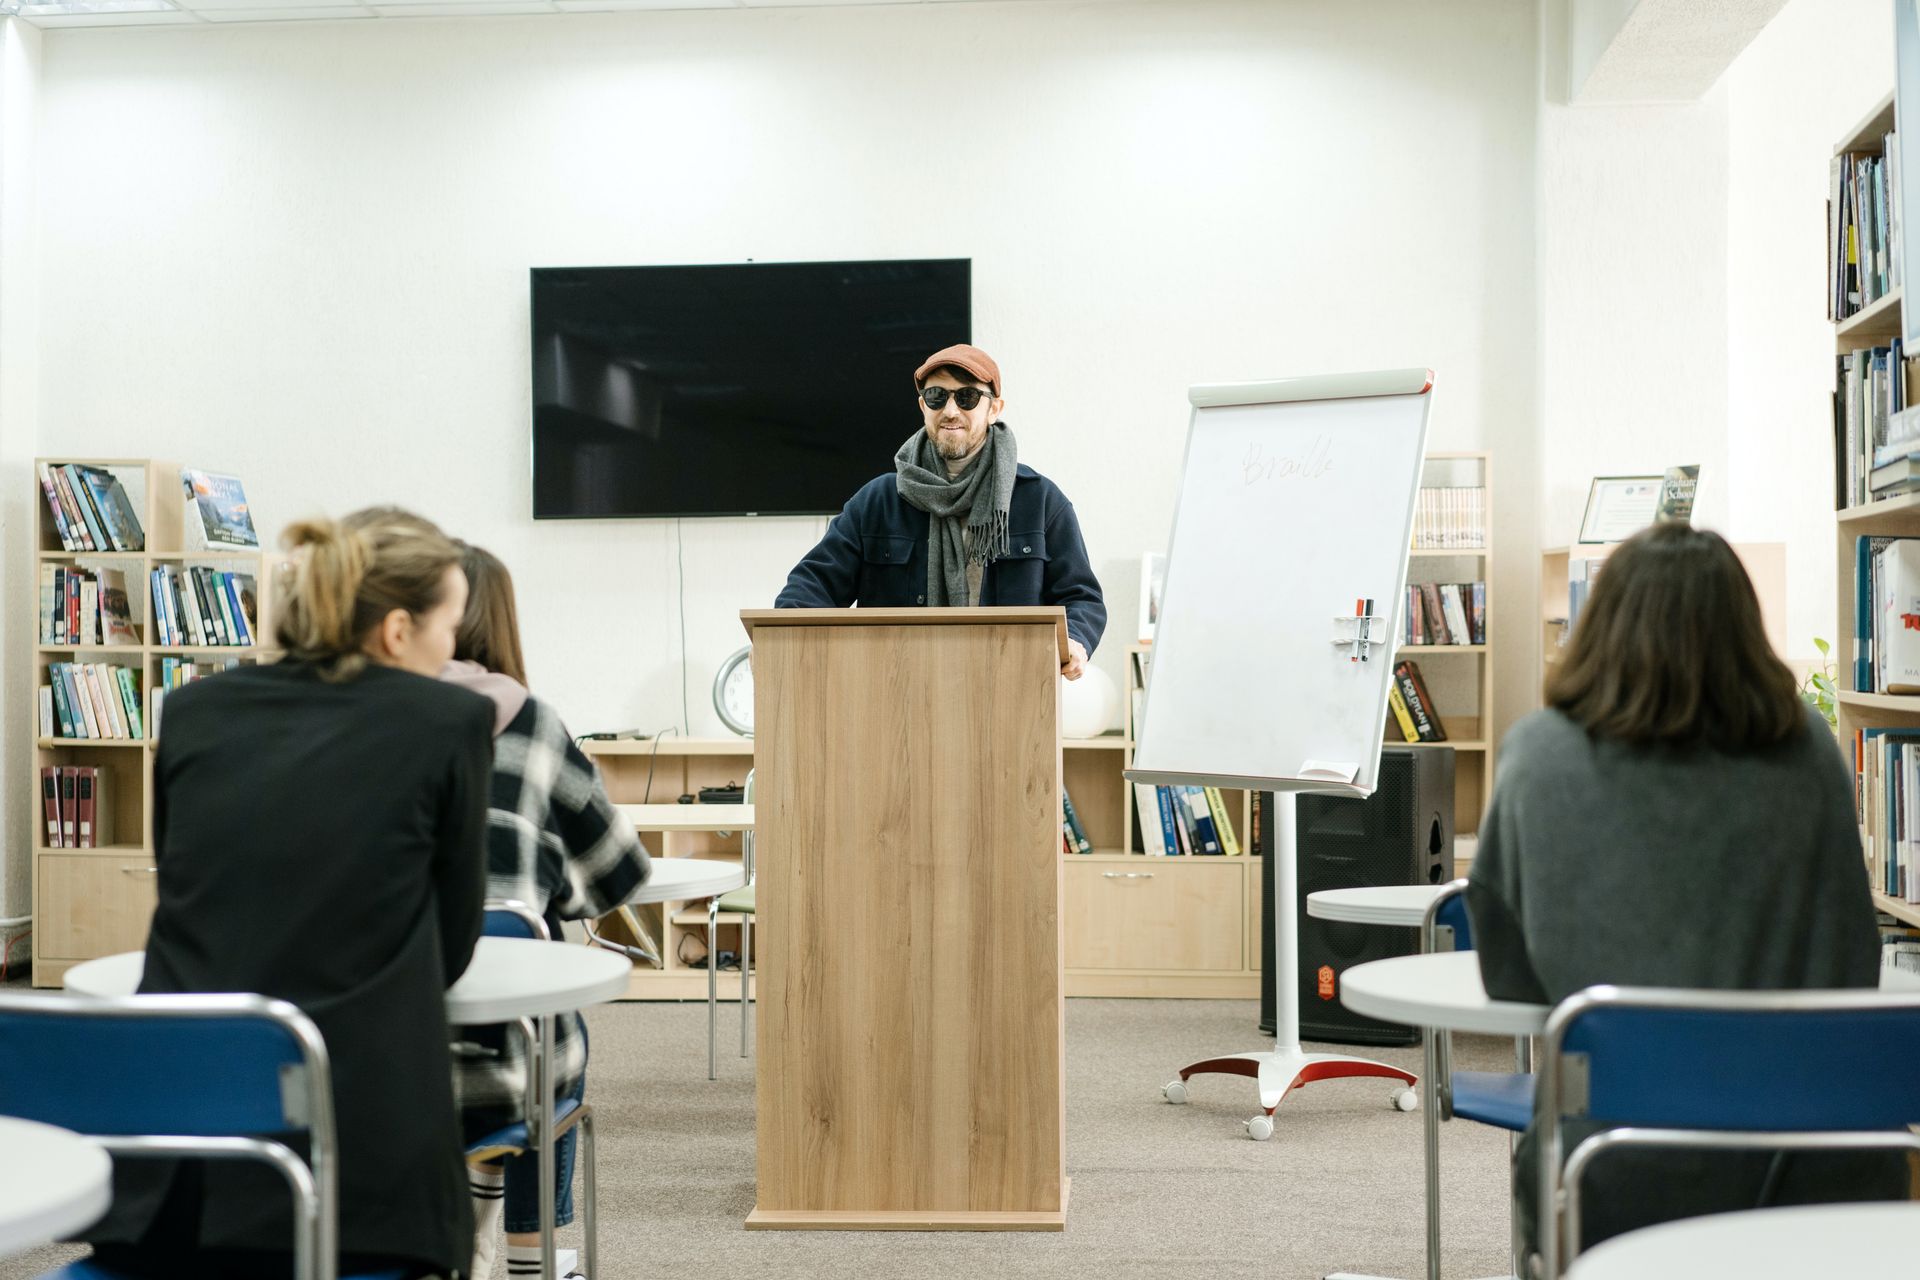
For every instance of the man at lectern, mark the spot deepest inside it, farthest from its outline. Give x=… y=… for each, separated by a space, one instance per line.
x=959 y=521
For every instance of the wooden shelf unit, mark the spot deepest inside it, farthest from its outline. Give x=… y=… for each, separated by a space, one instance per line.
x=95 y=902
x=1876 y=325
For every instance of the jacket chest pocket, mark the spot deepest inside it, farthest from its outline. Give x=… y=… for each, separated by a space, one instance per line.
x=1019 y=575
x=885 y=571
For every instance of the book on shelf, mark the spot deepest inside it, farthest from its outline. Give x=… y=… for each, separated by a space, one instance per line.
x=1146 y=808
x=1900 y=948
x=1413 y=691
x=1070 y=821
x=204 y=607
x=1896 y=649
x=90 y=508
x=1206 y=839
x=1445 y=613
x=1868 y=552
x=1861 y=248
x=176 y=672
x=94 y=700
x=1222 y=824
x=1886 y=778
x=216 y=512
x=1872 y=428
x=74 y=808
x=1401 y=715
x=84 y=607
x=1450 y=518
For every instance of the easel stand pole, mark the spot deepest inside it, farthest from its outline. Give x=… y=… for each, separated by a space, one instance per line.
x=1287 y=1067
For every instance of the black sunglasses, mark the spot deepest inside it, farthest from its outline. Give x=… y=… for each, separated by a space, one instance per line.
x=965 y=397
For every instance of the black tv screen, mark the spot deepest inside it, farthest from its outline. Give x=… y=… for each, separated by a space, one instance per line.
x=737 y=389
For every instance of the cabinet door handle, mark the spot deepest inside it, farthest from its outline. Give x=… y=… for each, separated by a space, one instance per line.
x=139 y=871
x=1126 y=875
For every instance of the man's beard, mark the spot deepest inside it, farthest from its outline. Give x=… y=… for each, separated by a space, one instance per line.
x=955 y=449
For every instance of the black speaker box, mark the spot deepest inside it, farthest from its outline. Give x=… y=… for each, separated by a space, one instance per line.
x=1401 y=834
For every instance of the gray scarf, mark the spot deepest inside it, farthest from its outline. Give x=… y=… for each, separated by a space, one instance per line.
x=966 y=515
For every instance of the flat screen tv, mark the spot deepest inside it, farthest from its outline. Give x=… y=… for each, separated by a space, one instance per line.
x=735 y=389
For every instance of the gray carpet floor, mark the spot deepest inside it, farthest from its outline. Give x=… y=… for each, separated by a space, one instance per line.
x=1158 y=1190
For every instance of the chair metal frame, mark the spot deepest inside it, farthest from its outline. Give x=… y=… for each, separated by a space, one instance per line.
x=306 y=1102
x=1565 y=1075
x=746 y=950
x=540 y=1075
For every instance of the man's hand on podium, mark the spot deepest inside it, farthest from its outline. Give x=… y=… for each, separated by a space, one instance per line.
x=1076 y=664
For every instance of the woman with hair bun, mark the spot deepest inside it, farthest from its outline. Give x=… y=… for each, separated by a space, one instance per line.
x=319 y=827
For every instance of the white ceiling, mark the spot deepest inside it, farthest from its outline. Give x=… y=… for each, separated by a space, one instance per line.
x=124 y=13
x=1658 y=50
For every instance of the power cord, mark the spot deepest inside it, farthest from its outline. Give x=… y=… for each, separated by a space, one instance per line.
x=680 y=551
x=653 y=758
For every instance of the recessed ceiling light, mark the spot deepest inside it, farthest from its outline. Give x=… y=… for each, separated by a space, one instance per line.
x=61 y=8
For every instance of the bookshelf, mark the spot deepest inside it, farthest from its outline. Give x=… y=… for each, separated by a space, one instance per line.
x=1876 y=325
x=97 y=901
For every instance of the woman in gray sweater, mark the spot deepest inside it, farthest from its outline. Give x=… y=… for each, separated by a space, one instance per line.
x=1676 y=817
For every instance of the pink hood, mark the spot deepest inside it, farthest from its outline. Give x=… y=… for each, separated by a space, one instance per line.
x=507 y=694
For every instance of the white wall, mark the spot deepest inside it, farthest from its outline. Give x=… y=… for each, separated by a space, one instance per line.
x=1812 y=75
x=299 y=253
x=19 y=94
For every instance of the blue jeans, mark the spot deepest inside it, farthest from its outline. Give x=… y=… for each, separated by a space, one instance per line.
x=521 y=1214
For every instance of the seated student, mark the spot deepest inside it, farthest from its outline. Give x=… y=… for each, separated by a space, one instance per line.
x=1675 y=817
x=556 y=843
x=318 y=827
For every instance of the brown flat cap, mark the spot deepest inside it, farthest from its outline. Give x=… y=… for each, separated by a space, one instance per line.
x=961 y=356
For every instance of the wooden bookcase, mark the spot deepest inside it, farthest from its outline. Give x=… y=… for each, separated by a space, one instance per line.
x=95 y=902
x=1877 y=325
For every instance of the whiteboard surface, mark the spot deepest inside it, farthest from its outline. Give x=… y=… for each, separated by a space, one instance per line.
x=1289 y=511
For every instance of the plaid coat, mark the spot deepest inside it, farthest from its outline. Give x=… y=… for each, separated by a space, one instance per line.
x=556 y=843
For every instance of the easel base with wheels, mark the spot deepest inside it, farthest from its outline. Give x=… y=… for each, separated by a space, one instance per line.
x=1287 y=1066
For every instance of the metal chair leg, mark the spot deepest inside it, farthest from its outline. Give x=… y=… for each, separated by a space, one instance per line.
x=713 y=993
x=746 y=996
x=590 y=1246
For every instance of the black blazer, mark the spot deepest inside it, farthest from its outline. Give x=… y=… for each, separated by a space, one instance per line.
x=325 y=844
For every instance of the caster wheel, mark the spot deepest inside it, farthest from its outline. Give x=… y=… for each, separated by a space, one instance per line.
x=1174 y=1091
x=1260 y=1128
x=1406 y=1100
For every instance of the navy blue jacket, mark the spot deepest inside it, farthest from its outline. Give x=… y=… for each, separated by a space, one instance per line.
x=875 y=554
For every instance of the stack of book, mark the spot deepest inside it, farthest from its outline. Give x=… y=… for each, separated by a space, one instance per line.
x=1886 y=780
x=1876 y=441
x=91 y=511
x=1450 y=519
x=1412 y=705
x=203 y=607
x=1073 y=836
x=1445 y=613
x=73 y=800
x=90 y=700
x=1184 y=822
x=1863 y=230
x=84 y=607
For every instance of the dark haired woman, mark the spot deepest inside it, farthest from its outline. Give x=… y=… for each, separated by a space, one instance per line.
x=1676 y=817
x=318 y=828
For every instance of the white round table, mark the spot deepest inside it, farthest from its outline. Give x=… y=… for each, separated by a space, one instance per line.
x=507 y=978
x=52 y=1184
x=1802 y=1242
x=1389 y=904
x=685 y=879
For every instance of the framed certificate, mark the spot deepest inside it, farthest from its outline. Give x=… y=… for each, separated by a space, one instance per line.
x=1619 y=507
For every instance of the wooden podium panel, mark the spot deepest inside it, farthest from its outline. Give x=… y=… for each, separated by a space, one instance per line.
x=911 y=1070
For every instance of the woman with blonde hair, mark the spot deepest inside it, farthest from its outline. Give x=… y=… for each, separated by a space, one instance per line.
x=1675 y=817
x=318 y=828
x=556 y=843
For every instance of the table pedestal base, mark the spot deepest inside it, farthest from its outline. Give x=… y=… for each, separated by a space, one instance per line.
x=1286 y=1069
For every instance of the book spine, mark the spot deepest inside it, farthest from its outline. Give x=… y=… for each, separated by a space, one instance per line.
x=1079 y=833
x=44 y=698
x=1206 y=840
x=106 y=699
x=82 y=720
x=1436 y=614
x=130 y=700
x=82 y=536
x=237 y=616
x=83 y=806
x=1170 y=830
x=61 y=712
x=68 y=830
x=1401 y=715
x=1479 y=613
x=96 y=531
x=1217 y=806
x=53 y=504
x=50 y=805
x=1148 y=814
x=1419 y=704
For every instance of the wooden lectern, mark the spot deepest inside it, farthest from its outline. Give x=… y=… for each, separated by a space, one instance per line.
x=911 y=1069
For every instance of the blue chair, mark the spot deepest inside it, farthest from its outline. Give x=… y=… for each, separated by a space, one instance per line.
x=1815 y=1070
x=511 y=918
x=1503 y=1099
x=227 y=1077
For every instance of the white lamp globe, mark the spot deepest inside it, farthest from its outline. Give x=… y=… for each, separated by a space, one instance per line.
x=1090 y=705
